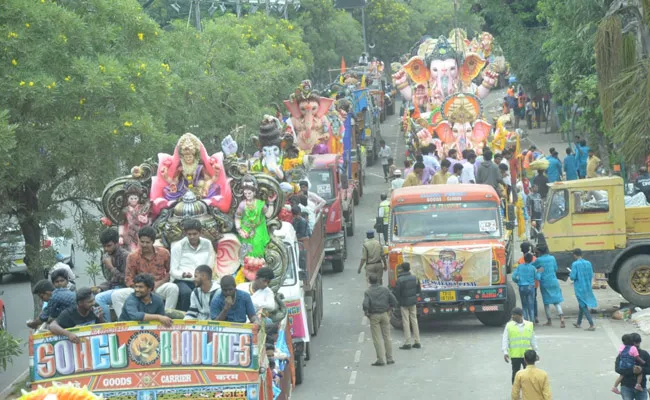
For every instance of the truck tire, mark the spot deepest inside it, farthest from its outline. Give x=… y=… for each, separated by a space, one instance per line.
x=316 y=306
x=631 y=279
x=500 y=318
x=356 y=197
x=350 y=229
x=338 y=265
x=396 y=319
x=300 y=365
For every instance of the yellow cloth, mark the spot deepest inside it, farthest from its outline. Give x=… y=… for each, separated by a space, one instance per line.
x=521 y=221
x=519 y=342
x=592 y=166
x=386 y=206
x=412 y=180
x=440 y=178
x=533 y=384
x=290 y=163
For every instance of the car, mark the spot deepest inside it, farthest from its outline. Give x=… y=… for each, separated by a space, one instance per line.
x=12 y=247
x=3 y=314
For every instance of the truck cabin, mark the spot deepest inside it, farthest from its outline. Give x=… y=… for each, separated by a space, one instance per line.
x=441 y=215
x=324 y=182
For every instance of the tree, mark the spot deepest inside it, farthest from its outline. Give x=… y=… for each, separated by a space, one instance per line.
x=331 y=34
x=387 y=27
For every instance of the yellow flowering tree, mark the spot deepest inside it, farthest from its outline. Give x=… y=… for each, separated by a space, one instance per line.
x=84 y=100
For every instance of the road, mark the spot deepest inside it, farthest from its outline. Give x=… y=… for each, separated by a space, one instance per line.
x=460 y=358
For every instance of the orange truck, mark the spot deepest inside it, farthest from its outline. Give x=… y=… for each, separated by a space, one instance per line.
x=458 y=245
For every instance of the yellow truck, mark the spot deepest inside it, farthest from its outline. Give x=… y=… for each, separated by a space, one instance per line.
x=591 y=214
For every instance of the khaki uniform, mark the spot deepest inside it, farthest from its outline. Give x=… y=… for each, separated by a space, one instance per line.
x=377 y=303
x=372 y=254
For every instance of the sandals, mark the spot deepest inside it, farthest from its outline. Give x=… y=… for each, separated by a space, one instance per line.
x=562 y=325
x=576 y=325
x=591 y=328
x=377 y=364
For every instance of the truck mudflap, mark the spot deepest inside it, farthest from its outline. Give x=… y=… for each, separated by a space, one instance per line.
x=462 y=300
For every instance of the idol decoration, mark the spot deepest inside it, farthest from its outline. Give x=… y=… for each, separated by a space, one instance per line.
x=237 y=208
x=438 y=79
x=309 y=117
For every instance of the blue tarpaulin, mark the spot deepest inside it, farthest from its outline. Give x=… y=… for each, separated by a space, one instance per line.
x=360 y=99
x=347 y=142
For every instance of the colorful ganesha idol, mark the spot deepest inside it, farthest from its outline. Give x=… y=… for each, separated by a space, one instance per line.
x=309 y=117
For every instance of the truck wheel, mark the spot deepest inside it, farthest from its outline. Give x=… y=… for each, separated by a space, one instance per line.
x=612 y=281
x=338 y=265
x=300 y=365
x=396 y=319
x=350 y=229
x=632 y=280
x=500 y=318
x=315 y=323
x=356 y=197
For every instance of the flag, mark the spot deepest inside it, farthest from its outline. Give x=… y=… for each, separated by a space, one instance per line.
x=342 y=65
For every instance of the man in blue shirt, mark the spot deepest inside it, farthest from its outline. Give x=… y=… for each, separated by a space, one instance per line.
x=582 y=154
x=57 y=300
x=143 y=304
x=231 y=304
x=525 y=276
x=570 y=165
x=554 y=171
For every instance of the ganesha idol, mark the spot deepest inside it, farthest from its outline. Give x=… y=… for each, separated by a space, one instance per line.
x=457 y=125
x=435 y=73
x=190 y=169
x=309 y=117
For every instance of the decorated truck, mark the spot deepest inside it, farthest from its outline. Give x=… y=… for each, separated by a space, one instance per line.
x=612 y=231
x=457 y=244
x=135 y=360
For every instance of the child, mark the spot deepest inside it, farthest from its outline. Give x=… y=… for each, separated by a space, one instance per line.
x=628 y=354
x=525 y=276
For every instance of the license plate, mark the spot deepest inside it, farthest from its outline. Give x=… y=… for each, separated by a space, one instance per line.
x=449 y=295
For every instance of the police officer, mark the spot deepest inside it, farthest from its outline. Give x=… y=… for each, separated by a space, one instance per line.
x=643 y=182
x=372 y=255
x=383 y=213
x=518 y=336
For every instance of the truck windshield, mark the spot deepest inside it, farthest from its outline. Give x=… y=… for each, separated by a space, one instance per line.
x=322 y=183
x=290 y=276
x=445 y=221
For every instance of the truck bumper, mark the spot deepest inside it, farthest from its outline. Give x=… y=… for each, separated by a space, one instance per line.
x=334 y=246
x=465 y=300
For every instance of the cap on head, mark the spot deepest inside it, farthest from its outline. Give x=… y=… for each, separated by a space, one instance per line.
x=397 y=172
x=370 y=234
x=517 y=311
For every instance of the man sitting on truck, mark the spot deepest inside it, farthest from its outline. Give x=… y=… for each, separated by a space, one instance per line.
x=203 y=293
x=58 y=299
x=79 y=315
x=318 y=201
x=143 y=304
x=414 y=178
x=261 y=294
x=232 y=305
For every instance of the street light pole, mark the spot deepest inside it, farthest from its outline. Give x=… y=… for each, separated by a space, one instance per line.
x=197 y=15
x=363 y=26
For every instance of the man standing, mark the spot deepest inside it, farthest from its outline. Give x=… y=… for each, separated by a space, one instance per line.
x=628 y=392
x=300 y=225
x=642 y=183
x=582 y=153
x=582 y=274
x=384 y=154
x=518 y=336
x=398 y=181
x=469 y=158
x=231 y=304
x=383 y=213
x=535 y=206
x=114 y=261
x=186 y=255
x=147 y=259
x=531 y=383
x=454 y=178
x=202 y=295
x=144 y=305
x=407 y=290
x=592 y=165
x=554 y=171
x=440 y=178
x=378 y=302
x=318 y=202
x=79 y=315
x=570 y=165
x=372 y=255
x=541 y=181
x=488 y=172
x=414 y=178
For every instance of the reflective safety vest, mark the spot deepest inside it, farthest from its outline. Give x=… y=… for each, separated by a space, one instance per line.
x=519 y=342
x=386 y=206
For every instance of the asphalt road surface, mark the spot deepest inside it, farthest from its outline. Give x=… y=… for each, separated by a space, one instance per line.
x=460 y=358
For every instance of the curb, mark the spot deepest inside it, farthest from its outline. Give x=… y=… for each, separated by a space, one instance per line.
x=7 y=391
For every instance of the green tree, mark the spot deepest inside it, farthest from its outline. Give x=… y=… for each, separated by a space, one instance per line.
x=330 y=34
x=388 y=27
x=86 y=94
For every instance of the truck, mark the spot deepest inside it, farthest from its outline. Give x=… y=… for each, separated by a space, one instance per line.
x=329 y=181
x=357 y=172
x=146 y=360
x=457 y=243
x=591 y=214
x=303 y=288
x=367 y=128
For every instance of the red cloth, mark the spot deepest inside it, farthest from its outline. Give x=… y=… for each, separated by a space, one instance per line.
x=285 y=215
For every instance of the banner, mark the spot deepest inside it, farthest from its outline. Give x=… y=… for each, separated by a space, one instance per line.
x=444 y=268
x=133 y=360
x=298 y=319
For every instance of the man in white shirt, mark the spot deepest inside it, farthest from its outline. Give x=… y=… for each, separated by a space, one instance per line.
x=398 y=181
x=454 y=179
x=384 y=154
x=261 y=294
x=202 y=294
x=469 y=158
x=318 y=202
x=186 y=255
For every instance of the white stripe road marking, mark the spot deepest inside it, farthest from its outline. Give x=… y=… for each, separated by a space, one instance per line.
x=373 y=174
x=353 y=378
x=357 y=356
x=362 y=336
x=610 y=333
